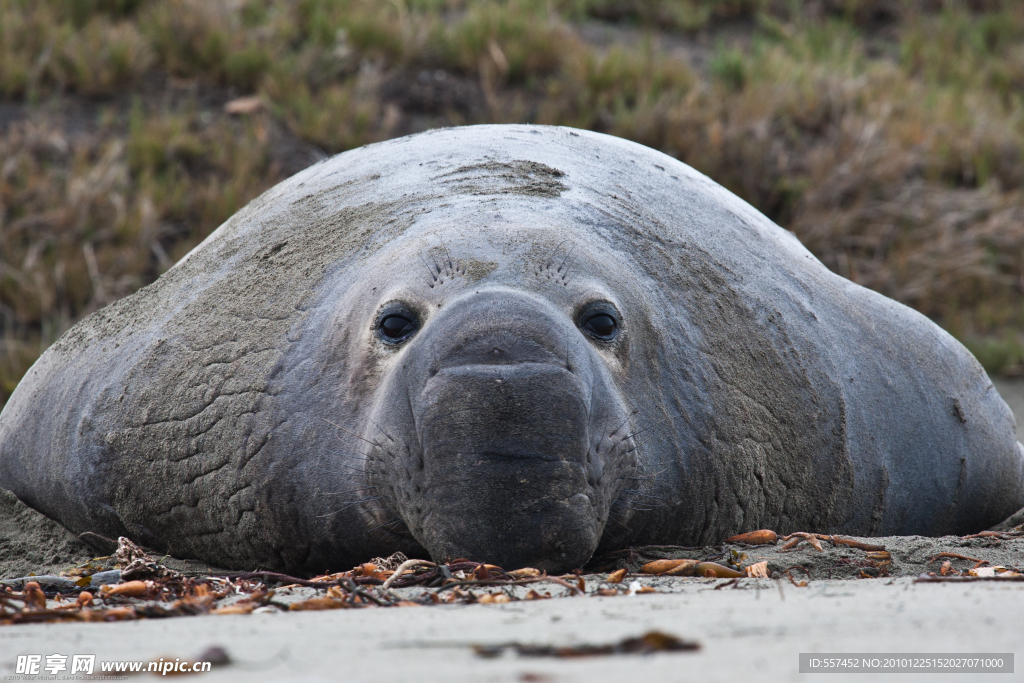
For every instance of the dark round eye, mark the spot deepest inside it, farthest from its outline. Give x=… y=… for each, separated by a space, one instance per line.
x=396 y=327
x=601 y=326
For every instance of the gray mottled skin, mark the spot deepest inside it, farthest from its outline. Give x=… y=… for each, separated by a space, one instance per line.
x=244 y=409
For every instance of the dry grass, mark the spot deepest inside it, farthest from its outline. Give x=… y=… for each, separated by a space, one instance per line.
x=888 y=134
x=91 y=217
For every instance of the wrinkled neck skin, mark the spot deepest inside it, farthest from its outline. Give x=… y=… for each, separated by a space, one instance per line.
x=497 y=431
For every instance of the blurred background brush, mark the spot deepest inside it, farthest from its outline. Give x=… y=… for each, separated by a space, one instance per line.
x=887 y=134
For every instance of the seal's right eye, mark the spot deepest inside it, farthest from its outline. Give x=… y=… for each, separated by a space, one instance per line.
x=601 y=326
x=395 y=328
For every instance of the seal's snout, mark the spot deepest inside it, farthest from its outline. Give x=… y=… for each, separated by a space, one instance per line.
x=507 y=444
x=527 y=410
x=508 y=441
x=500 y=391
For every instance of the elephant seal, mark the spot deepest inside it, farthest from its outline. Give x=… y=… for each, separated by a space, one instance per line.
x=517 y=344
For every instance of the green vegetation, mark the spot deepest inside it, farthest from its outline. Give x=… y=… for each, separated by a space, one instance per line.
x=887 y=134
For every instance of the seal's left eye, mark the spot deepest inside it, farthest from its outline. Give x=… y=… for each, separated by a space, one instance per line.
x=601 y=326
x=396 y=327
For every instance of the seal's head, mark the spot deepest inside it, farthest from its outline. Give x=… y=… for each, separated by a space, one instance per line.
x=498 y=432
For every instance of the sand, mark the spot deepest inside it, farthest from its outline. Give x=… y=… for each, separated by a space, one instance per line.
x=753 y=632
x=33 y=544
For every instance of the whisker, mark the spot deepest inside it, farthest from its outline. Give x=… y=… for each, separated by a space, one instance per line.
x=364 y=457
x=330 y=471
x=616 y=430
x=645 y=429
x=636 y=445
x=555 y=252
x=612 y=518
x=638 y=492
x=391 y=522
x=433 y=275
x=646 y=477
x=381 y=430
x=559 y=269
x=451 y=268
x=372 y=443
x=348 y=505
x=348 y=491
x=565 y=275
x=434 y=259
x=552 y=257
